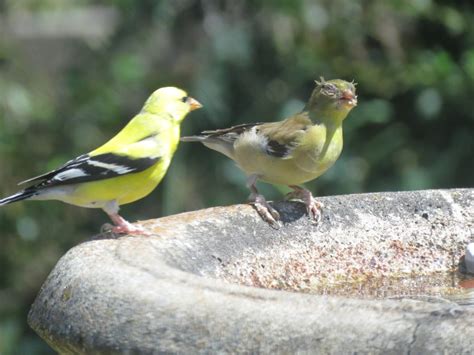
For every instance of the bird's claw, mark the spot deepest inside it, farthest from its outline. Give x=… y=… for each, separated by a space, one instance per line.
x=266 y=211
x=313 y=207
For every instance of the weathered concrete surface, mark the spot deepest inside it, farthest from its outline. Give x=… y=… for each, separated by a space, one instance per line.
x=172 y=292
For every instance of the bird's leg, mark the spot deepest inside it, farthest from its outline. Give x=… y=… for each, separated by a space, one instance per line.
x=313 y=207
x=267 y=212
x=121 y=225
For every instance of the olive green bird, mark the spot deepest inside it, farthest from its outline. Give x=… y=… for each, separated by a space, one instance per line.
x=290 y=152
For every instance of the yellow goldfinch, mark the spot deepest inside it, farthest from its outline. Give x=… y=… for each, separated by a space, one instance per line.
x=290 y=152
x=126 y=168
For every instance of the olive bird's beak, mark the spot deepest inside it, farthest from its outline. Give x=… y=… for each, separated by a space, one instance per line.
x=193 y=103
x=350 y=97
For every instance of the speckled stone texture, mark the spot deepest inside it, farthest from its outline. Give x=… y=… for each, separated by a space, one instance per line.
x=183 y=289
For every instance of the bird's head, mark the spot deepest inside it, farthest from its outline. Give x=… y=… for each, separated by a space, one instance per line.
x=171 y=102
x=333 y=98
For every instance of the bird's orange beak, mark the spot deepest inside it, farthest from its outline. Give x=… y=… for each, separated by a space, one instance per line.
x=193 y=103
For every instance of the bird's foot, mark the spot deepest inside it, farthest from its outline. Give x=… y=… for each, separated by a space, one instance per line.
x=130 y=229
x=265 y=210
x=313 y=207
x=122 y=226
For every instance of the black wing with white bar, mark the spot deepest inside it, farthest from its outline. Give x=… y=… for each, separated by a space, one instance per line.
x=86 y=168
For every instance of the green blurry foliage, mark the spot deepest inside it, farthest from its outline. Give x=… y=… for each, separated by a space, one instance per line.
x=68 y=83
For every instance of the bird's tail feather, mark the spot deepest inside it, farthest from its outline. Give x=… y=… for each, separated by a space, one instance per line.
x=22 y=195
x=215 y=143
x=193 y=138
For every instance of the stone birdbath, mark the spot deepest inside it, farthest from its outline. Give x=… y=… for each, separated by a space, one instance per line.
x=379 y=274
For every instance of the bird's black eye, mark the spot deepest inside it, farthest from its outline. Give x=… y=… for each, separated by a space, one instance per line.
x=184 y=99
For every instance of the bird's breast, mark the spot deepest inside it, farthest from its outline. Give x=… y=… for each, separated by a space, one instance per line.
x=316 y=152
x=319 y=150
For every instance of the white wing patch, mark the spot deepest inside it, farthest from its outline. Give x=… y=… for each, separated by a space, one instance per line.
x=118 y=169
x=70 y=174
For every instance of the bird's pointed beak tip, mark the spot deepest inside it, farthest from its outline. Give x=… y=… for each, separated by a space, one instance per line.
x=194 y=104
